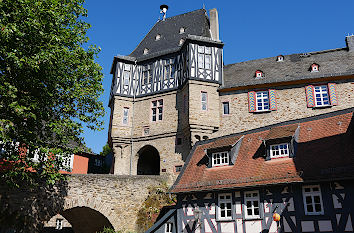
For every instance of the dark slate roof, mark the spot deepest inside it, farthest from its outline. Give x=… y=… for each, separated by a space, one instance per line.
x=195 y=23
x=335 y=62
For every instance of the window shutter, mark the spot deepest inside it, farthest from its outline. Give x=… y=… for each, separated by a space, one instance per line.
x=272 y=100
x=332 y=92
x=310 y=96
x=251 y=101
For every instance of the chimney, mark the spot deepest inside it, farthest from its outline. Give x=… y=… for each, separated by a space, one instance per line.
x=214 y=24
x=350 y=42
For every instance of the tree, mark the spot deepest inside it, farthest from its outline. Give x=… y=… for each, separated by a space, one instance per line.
x=49 y=85
x=106 y=150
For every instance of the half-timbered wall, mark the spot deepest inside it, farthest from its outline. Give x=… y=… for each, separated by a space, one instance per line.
x=286 y=200
x=198 y=55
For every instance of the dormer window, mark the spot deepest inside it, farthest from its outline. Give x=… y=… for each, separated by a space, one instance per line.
x=146 y=51
x=182 y=30
x=279 y=150
x=314 y=67
x=220 y=159
x=280 y=58
x=157 y=37
x=259 y=74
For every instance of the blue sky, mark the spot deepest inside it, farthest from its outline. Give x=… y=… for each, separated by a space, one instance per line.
x=250 y=30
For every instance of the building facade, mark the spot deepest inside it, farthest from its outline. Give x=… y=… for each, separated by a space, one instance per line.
x=173 y=90
x=301 y=170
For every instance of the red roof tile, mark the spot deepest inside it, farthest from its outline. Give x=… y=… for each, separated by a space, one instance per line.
x=325 y=150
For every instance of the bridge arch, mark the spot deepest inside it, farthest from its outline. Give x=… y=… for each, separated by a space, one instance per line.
x=148 y=161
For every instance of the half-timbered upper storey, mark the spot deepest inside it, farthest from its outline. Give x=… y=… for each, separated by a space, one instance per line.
x=175 y=49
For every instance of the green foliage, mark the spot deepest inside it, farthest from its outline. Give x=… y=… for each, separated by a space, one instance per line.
x=106 y=150
x=109 y=230
x=150 y=210
x=49 y=85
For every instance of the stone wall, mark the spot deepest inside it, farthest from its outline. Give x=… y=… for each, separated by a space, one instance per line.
x=114 y=198
x=291 y=104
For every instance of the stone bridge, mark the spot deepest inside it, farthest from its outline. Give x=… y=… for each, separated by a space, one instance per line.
x=89 y=202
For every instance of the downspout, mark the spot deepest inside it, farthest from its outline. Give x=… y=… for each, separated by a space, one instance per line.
x=132 y=128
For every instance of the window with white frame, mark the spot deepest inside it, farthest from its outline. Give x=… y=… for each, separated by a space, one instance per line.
x=147 y=74
x=321 y=96
x=312 y=200
x=126 y=75
x=168 y=70
x=220 y=159
x=58 y=224
x=168 y=227
x=204 y=100
x=262 y=100
x=67 y=162
x=157 y=110
x=252 y=207
x=125 y=116
x=225 y=206
x=204 y=57
x=226 y=108
x=279 y=150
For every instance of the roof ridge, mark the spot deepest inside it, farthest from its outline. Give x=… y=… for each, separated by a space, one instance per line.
x=292 y=54
x=284 y=123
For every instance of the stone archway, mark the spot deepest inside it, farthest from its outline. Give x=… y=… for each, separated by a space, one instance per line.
x=78 y=220
x=149 y=161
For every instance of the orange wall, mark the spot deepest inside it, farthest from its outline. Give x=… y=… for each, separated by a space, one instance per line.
x=80 y=165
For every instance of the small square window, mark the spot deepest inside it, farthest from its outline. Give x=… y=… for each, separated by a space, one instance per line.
x=169 y=227
x=321 y=96
x=226 y=108
x=224 y=206
x=178 y=168
x=262 y=101
x=220 y=159
x=252 y=206
x=312 y=198
x=279 y=150
x=58 y=224
x=125 y=116
x=204 y=101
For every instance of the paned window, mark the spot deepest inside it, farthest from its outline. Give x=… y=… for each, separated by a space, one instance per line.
x=125 y=116
x=156 y=110
x=225 y=206
x=168 y=70
x=220 y=159
x=226 y=108
x=312 y=199
x=321 y=96
x=59 y=224
x=168 y=227
x=67 y=162
x=204 y=100
x=279 y=150
x=262 y=99
x=98 y=163
x=252 y=204
x=147 y=74
x=178 y=168
x=126 y=75
x=204 y=57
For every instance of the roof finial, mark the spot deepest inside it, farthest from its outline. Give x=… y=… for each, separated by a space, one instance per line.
x=203 y=6
x=163 y=10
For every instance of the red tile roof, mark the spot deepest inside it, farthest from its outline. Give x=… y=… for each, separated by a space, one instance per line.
x=325 y=150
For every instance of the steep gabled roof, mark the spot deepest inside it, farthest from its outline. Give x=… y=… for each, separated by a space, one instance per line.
x=335 y=62
x=195 y=23
x=325 y=151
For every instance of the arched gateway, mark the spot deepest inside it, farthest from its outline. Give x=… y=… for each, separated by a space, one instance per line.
x=149 y=161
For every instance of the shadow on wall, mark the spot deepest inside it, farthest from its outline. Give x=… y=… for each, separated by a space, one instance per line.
x=27 y=208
